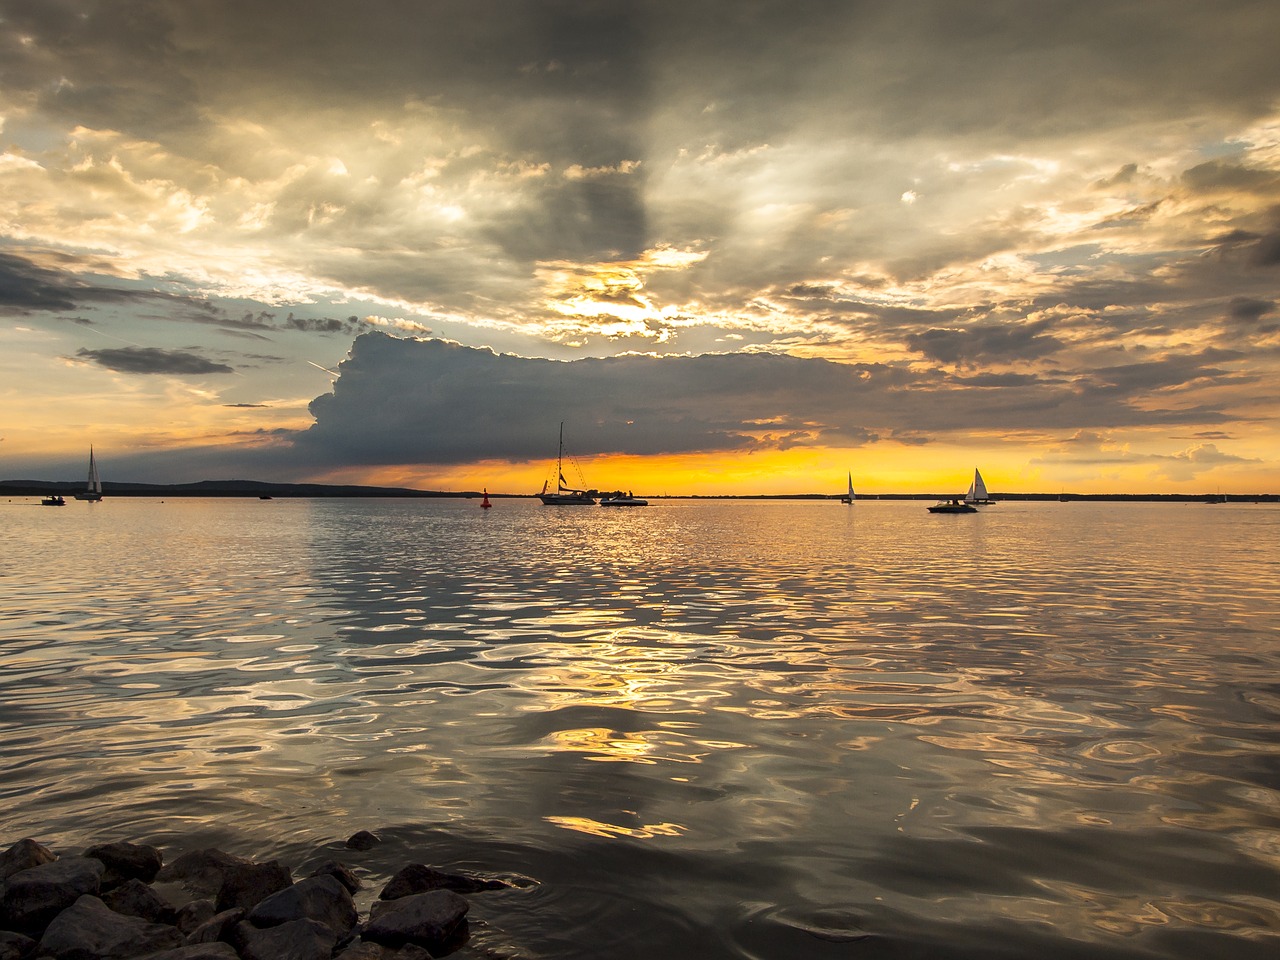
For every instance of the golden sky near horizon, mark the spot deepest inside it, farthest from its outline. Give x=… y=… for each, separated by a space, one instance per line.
x=737 y=247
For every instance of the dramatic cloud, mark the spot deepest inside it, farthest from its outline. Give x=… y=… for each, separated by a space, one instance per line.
x=427 y=401
x=153 y=360
x=1024 y=217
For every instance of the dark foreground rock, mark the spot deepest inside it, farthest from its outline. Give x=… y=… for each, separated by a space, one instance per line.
x=103 y=906
x=429 y=920
x=89 y=929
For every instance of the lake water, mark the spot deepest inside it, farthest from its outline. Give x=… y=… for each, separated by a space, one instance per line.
x=695 y=730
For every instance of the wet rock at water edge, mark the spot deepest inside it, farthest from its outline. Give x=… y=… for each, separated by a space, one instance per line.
x=126 y=861
x=91 y=929
x=430 y=920
x=33 y=897
x=136 y=899
x=341 y=873
x=419 y=878
x=24 y=855
x=323 y=899
x=202 y=871
x=295 y=940
x=245 y=885
x=362 y=840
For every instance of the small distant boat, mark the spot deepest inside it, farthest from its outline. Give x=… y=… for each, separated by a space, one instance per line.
x=848 y=497
x=93 y=489
x=53 y=500
x=485 y=504
x=264 y=496
x=564 y=495
x=622 y=500
x=978 y=491
x=954 y=505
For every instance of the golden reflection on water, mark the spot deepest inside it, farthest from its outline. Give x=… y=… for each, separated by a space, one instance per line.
x=943 y=726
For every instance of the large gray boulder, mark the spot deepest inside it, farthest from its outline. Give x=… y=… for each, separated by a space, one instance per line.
x=296 y=940
x=316 y=898
x=428 y=920
x=33 y=897
x=90 y=930
x=24 y=855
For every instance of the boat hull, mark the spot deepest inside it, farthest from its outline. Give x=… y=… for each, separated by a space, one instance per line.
x=952 y=508
x=624 y=502
x=567 y=499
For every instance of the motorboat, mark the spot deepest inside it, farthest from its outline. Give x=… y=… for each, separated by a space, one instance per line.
x=954 y=505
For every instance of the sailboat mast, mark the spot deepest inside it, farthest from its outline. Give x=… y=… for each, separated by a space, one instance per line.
x=559 y=460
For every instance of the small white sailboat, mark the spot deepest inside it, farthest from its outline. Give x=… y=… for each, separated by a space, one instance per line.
x=564 y=495
x=978 y=490
x=848 y=497
x=93 y=489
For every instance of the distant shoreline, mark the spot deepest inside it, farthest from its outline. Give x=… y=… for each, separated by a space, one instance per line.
x=260 y=488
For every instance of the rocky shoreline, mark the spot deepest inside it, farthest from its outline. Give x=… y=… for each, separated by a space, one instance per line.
x=116 y=901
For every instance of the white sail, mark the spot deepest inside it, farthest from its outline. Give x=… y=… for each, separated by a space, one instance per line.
x=95 y=484
x=93 y=487
x=977 y=489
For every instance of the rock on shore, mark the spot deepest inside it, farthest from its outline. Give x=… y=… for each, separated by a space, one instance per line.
x=101 y=905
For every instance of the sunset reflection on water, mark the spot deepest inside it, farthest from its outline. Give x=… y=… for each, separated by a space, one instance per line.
x=1020 y=726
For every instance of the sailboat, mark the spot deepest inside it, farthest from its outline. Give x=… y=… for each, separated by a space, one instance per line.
x=93 y=489
x=848 y=497
x=564 y=495
x=978 y=490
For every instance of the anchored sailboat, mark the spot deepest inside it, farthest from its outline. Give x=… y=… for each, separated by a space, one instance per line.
x=564 y=495
x=978 y=490
x=93 y=489
x=848 y=497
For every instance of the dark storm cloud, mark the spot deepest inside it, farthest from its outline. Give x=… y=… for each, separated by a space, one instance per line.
x=25 y=286
x=428 y=401
x=986 y=343
x=150 y=360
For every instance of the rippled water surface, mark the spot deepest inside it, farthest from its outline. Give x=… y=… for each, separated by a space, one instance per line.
x=694 y=730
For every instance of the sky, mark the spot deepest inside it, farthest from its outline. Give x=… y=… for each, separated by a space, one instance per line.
x=736 y=247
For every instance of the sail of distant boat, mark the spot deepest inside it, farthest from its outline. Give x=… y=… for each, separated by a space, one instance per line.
x=564 y=494
x=977 y=490
x=848 y=497
x=93 y=487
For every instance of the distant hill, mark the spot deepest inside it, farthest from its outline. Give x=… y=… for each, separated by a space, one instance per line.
x=217 y=488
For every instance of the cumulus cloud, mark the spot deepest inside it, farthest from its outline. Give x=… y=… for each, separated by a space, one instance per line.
x=430 y=401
